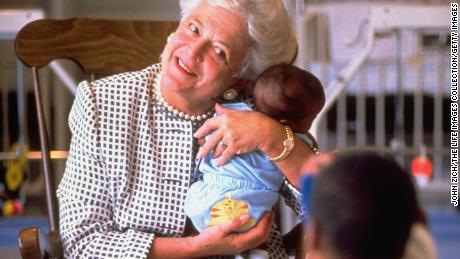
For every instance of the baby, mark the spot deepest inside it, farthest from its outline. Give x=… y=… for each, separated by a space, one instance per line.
x=249 y=183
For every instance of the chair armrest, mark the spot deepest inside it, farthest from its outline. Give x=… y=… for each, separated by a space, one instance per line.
x=33 y=243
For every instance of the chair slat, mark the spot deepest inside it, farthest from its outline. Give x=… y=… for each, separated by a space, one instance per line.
x=99 y=46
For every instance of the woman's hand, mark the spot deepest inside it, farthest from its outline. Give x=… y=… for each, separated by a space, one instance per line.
x=245 y=131
x=223 y=239
x=219 y=240
x=237 y=132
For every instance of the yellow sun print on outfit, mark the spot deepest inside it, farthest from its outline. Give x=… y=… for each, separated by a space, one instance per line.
x=227 y=209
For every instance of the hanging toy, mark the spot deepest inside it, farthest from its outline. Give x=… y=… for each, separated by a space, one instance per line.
x=422 y=168
x=15 y=170
x=12 y=207
x=11 y=180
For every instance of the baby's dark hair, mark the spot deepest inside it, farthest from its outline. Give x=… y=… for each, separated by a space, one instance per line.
x=286 y=92
x=364 y=205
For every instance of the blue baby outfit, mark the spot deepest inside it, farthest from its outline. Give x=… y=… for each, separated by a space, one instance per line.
x=251 y=179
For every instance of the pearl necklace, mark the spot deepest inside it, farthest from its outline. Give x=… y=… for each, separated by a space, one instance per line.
x=159 y=97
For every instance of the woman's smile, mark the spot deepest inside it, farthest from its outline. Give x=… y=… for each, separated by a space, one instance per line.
x=181 y=64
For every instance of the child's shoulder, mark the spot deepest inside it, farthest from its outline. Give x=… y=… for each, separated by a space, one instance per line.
x=241 y=106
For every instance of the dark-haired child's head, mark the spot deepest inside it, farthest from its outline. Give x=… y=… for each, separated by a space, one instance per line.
x=289 y=94
x=363 y=205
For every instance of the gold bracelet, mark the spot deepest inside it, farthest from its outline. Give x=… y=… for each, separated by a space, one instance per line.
x=288 y=144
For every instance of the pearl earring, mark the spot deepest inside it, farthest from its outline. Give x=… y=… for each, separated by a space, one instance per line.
x=230 y=94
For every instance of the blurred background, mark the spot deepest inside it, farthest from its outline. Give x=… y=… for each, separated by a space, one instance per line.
x=385 y=66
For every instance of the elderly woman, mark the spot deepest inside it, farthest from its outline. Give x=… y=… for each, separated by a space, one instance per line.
x=135 y=139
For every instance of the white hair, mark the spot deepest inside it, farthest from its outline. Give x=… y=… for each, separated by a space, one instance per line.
x=270 y=31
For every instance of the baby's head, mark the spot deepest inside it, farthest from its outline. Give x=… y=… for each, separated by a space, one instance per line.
x=289 y=94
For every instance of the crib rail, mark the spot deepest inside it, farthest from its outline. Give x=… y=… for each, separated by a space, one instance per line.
x=395 y=102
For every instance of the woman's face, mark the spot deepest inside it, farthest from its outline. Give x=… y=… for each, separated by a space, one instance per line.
x=201 y=58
